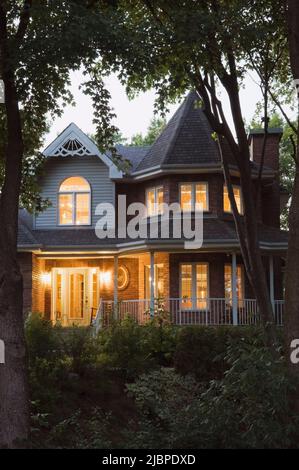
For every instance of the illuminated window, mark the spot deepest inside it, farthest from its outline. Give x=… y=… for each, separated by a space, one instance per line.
x=193 y=194
x=194 y=285
x=228 y=282
x=74 y=202
x=158 y=284
x=154 y=201
x=238 y=199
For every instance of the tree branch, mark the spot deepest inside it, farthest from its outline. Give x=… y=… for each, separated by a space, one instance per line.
x=24 y=22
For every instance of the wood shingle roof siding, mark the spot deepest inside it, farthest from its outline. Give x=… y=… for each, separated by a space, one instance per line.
x=186 y=140
x=133 y=154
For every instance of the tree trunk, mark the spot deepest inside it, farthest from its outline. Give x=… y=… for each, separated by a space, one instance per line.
x=291 y=329
x=14 y=402
x=291 y=321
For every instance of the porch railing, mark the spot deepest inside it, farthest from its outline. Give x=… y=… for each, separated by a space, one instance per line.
x=210 y=312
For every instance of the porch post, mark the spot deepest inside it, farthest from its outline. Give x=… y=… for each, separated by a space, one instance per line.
x=271 y=279
x=152 y=283
x=234 y=289
x=115 y=284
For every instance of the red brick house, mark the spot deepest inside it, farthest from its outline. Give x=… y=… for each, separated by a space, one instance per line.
x=70 y=275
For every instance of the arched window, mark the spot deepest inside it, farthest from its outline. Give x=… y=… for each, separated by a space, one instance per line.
x=74 y=202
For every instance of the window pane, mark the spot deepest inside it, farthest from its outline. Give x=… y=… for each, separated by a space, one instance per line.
x=158 y=282
x=228 y=282
x=82 y=209
x=186 y=285
x=237 y=193
x=95 y=296
x=65 y=209
x=226 y=201
x=76 y=295
x=159 y=287
x=74 y=184
x=160 y=200
x=186 y=197
x=240 y=293
x=238 y=199
x=201 y=195
x=150 y=202
x=201 y=285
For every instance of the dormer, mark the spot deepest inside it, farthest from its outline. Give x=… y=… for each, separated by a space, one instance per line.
x=77 y=177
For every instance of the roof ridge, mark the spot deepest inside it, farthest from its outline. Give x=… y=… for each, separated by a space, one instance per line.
x=185 y=106
x=169 y=144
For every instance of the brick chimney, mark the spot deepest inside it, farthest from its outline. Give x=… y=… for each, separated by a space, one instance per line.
x=270 y=203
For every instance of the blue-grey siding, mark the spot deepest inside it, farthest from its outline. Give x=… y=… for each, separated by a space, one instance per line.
x=57 y=169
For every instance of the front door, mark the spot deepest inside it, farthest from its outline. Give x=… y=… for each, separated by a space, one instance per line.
x=73 y=294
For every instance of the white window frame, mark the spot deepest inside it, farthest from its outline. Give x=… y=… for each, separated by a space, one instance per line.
x=74 y=203
x=193 y=194
x=155 y=189
x=194 y=297
x=235 y=186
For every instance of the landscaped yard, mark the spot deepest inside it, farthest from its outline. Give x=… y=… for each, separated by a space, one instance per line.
x=156 y=386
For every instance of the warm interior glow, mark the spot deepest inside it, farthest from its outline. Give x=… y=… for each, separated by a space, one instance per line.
x=238 y=199
x=75 y=184
x=192 y=195
x=154 y=201
x=74 y=202
x=46 y=278
x=105 y=277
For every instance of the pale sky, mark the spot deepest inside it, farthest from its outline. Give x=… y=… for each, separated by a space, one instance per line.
x=132 y=116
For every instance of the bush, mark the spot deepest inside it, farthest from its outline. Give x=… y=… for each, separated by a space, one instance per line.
x=81 y=348
x=201 y=351
x=135 y=349
x=247 y=408
x=166 y=402
x=43 y=340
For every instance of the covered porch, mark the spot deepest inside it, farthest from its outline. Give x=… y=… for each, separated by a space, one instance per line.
x=200 y=288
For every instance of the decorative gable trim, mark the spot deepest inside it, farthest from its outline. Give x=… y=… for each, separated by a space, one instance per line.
x=73 y=142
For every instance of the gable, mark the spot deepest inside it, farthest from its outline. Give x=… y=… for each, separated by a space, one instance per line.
x=72 y=142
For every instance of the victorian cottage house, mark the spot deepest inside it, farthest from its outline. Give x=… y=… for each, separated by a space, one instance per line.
x=74 y=277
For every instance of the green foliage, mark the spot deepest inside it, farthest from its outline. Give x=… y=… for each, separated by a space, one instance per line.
x=80 y=348
x=251 y=402
x=81 y=432
x=154 y=130
x=124 y=346
x=42 y=338
x=247 y=408
x=166 y=403
x=61 y=37
x=226 y=390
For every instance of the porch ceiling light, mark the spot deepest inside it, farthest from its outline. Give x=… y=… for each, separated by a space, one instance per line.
x=46 y=278
x=105 y=277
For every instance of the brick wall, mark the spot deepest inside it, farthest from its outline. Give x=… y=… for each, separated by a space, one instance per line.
x=216 y=263
x=270 y=202
x=38 y=288
x=136 y=192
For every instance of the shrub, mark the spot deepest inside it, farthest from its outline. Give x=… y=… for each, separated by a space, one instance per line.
x=81 y=349
x=43 y=340
x=201 y=351
x=135 y=349
x=124 y=346
x=167 y=405
x=251 y=401
x=247 y=408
